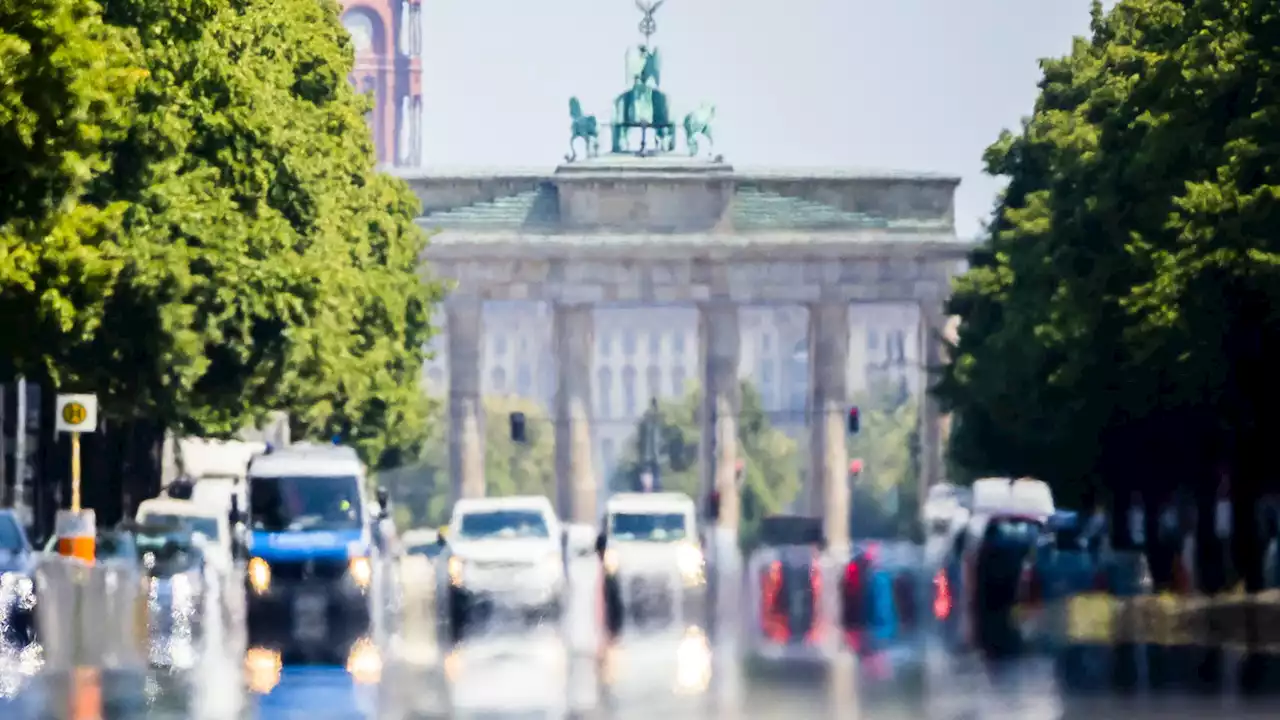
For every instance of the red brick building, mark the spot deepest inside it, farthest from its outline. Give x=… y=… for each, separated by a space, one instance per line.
x=387 y=35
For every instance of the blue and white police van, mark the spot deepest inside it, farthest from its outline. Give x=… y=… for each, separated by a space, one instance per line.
x=319 y=577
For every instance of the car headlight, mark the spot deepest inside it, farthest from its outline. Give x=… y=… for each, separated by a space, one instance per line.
x=361 y=572
x=456 y=569
x=610 y=562
x=259 y=575
x=180 y=587
x=690 y=561
x=553 y=564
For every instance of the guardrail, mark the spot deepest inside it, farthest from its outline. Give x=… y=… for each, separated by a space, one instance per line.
x=91 y=623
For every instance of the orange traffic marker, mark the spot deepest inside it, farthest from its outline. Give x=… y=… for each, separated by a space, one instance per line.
x=86 y=694
x=77 y=533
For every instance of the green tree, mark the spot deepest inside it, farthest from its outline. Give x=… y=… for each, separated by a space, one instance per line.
x=884 y=493
x=67 y=97
x=257 y=259
x=1118 y=327
x=510 y=468
x=770 y=459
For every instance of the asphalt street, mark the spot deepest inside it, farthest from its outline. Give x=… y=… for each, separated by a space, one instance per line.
x=568 y=670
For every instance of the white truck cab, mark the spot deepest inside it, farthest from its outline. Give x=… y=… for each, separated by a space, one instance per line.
x=654 y=568
x=652 y=532
x=501 y=553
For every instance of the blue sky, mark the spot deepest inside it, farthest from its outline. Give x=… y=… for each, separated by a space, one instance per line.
x=906 y=85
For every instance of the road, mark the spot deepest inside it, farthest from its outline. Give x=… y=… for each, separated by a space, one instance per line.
x=565 y=670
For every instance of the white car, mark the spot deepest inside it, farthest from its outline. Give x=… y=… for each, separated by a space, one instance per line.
x=653 y=563
x=501 y=554
x=203 y=519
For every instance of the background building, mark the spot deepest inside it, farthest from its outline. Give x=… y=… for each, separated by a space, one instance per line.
x=652 y=352
x=387 y=36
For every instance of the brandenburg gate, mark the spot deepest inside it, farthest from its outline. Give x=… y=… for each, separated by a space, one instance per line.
x=652 y=226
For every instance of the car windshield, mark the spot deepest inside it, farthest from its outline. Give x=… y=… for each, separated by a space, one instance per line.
x=280 y=504
x=655 y=527
x=1013 y=531
x=206 y=526
x=11 y=537
x=165 y=551
x=116 y=545
x=503 y=524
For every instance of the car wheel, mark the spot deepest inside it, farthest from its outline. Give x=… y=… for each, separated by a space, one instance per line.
x=554 y=609
x=613 y=610
x=458 y=613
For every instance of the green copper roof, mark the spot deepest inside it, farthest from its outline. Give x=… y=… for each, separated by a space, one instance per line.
x=534 y=209
x=753 y=209
x=757 y=210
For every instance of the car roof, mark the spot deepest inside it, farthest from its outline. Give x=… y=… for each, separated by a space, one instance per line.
x=650 y=501
x=1007 y=496
x=780 y=530
x=177 y=507
x=307 y=460
x=514 y=502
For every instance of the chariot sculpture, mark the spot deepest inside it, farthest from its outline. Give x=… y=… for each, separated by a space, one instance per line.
x=642 y=107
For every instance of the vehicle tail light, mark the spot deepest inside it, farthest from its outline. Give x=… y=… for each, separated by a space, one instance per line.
x=854 y=596
x=773 y=617
x=942 y=601
x=815 y=587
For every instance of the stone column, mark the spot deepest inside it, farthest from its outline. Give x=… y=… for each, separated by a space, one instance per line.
x=466 y=410
x=828 y=413
x=932 y=328
x=575 y=472
x=721 y=346
x=718 y=445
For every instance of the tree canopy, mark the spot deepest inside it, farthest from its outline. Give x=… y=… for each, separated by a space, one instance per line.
x=1127 y=290
x=191 y=224
x=883 y=495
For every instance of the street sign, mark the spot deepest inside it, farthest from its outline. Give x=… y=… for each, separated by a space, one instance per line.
x=77 y=413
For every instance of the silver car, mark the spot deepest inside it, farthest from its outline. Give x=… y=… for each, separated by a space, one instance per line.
x=176 y=570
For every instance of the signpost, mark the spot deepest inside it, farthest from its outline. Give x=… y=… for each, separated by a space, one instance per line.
x=76 y=528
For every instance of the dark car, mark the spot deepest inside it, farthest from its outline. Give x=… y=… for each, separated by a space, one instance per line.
x=790 y=579
x=17 y=587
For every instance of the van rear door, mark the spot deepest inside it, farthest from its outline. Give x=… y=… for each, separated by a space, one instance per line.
x=1006 y=543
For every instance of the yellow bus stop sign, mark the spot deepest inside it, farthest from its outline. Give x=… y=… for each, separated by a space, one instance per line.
x=74 y=413
x=77 y=413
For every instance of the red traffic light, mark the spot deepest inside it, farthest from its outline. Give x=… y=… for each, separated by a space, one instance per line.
x=855 y=466
x=855 y=421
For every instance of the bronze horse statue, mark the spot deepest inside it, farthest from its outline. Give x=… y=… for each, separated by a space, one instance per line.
x=584 y=127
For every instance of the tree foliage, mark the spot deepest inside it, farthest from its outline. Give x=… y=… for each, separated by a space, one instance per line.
x=201 y=235
x=1114 y=323
x=66 y=99
x=770 y=458
x=883 y=494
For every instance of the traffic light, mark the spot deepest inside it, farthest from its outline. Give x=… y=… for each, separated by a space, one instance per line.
x=517 y=428
x=855 y=421
x=713 y=505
